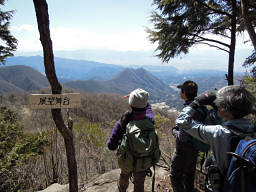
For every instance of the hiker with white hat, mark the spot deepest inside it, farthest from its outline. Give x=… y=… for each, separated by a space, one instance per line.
x=137 y=119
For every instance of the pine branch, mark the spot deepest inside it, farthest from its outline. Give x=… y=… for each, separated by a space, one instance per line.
x=214 y=10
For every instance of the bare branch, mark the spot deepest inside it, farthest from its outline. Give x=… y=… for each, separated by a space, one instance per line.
x=201 y=42
x=211 y=40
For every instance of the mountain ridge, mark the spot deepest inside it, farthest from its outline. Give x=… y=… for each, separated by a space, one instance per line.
x=21 y=78
x=89 y=76
x=83 y=69
x=71 y=69
x=124 y=82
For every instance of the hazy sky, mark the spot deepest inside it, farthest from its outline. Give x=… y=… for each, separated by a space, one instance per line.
x=110 y=26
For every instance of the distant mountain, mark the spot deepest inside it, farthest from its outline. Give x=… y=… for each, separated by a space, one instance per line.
x=21 y=78
x=205 y=80
x=126 y=81
x=69 y=69
x=89 y=86
x=91 y=76
x=102 y=72
x=162 y=72
x=129 y=78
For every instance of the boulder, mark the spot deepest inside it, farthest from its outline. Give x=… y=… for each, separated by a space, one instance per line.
x=107 y=182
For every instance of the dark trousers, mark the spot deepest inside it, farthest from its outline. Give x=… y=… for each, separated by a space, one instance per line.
x=183 y=166
x=138 y=181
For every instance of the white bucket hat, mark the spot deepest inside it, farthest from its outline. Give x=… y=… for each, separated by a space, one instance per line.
x=138 y=98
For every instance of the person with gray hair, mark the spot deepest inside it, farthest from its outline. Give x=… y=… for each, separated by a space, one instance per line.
x=236 y=100
x=233 y=104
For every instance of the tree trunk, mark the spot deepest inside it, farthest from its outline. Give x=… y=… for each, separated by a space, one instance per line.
x=232 y=45
x=41 y=9
x=248 y=23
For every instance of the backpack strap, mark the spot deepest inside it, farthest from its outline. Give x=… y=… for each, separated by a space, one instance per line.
x=153 y=179
x=213 y=171
x=149 y=173
x=243 y=164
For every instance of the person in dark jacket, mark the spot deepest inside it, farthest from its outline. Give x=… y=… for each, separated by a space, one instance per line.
x=138 y=101
x=184 y=159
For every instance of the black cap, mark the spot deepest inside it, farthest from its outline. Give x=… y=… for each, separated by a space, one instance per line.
x=190 y=88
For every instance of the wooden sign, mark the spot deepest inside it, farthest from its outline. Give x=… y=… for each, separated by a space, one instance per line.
x=54 y=101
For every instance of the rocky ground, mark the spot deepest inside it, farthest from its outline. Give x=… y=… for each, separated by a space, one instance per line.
x=108 y=183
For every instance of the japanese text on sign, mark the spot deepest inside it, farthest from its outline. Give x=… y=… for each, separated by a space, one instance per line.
x=51 y=101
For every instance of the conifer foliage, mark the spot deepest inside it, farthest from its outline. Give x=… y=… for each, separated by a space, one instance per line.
x=16 y=149
x=8 y=41
x=248 y=12
x=181 y=24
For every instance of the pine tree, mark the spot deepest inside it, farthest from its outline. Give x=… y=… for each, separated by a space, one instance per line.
x=8 y=42
x=248 y=12
x=181 y=24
